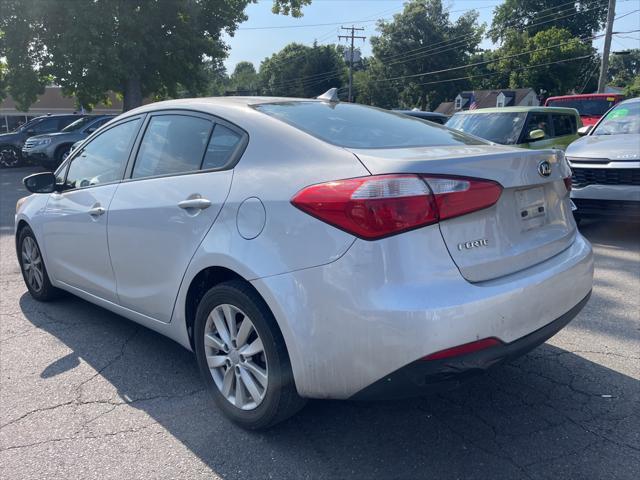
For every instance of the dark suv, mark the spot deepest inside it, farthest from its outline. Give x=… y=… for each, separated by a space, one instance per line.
x=11 y=143
x=51 y=149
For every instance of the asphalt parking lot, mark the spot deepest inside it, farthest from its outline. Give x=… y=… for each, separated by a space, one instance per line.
x=87 y=394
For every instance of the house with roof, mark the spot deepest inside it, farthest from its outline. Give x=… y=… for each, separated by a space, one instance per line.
x=517 y=97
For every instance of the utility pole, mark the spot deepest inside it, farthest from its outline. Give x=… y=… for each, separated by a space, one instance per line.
x=352 y=36
x=604 y=66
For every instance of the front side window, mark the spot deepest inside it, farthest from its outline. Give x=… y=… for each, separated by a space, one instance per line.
x=564 y=124
x=172 y=144
x=356 y=126
x=538 y=121
x=501 y=128
x=623 y=119
x=103 y=159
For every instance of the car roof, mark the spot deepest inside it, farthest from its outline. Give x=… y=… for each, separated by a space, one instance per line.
x=571 y=111
x=585 y=95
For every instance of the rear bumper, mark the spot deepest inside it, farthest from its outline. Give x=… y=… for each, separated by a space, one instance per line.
x=385 y=304
x=425 y=376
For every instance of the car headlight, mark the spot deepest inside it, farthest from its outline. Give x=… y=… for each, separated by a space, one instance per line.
x=41 y=142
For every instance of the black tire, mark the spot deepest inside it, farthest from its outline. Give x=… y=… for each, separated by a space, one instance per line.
x=10 y=156
x=46 y=292
x=61 y=155
x=281 y=400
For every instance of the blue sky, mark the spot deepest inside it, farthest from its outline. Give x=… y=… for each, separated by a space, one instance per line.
x=253 y=42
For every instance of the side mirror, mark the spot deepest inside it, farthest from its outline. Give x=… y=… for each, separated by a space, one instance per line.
x=91 y=129
x=31 y=131
x=582 y=131
x=536 y=134
x=44 y=182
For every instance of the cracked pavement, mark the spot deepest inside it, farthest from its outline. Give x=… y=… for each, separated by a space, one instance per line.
x=87 y=394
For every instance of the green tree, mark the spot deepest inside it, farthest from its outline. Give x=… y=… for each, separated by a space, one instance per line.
x=547 y=61
x=244 y=78
x=422 y=38
x=301 y=71
x=624 y=68
x=633 y=89
x=135 y=47
x=369 y=91
x=581 y=18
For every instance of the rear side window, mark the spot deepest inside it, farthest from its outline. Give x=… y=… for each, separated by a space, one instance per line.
x=48 y=125
x=172 y=144
x=356 y=126
x=564 y=124
x=222 y=146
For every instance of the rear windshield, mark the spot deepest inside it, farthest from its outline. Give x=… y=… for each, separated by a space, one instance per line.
x=357 y=126
x=585 y=106
x=501 y=128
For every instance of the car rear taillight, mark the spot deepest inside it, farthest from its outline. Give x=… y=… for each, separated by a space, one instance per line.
x=567 y=182
x=465 y=349
x=378 y=206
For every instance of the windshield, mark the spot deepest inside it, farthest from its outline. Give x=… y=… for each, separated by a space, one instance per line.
x=357 y=126
x=78 y=124
x=623 y=119
x=585 y=106
x=24 y=126
x=500 y=127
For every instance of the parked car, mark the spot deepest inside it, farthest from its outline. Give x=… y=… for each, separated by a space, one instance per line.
x=606 y=165
x=590 y=106
x=525 y=127
x=310 y=248
x=51 y=149
x=11 y=143
x=430 y=116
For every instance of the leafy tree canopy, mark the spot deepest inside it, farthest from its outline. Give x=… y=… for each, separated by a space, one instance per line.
x=550 y=63
x=624 y=68
x=244 y=79
x=136 y=47
x=301 y=71
x=582 y=18
x=422 y=38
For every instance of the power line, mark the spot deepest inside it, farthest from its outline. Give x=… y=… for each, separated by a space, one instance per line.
x=437 y=48
x=351 y=37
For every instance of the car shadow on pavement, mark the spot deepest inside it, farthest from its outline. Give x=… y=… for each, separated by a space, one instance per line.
x=550 y=414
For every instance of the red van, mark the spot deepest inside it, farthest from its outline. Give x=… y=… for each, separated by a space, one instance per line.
x=590 y=106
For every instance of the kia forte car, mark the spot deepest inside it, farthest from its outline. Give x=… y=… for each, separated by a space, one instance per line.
x=310 y=248
x=606 y=165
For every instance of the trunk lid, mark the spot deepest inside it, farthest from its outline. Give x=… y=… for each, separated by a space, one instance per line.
x=531 y=222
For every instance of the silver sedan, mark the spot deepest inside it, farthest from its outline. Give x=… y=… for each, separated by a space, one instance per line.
x=310 y=248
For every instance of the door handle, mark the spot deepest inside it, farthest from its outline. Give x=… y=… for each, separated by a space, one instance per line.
x=97 y=211
x=196 y=203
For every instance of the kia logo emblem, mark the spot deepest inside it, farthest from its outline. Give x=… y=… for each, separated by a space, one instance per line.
x=544 y=169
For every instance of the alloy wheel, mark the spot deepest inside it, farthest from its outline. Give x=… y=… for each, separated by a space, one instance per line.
x=9 y=157
x=235 y=356
x=32 y=264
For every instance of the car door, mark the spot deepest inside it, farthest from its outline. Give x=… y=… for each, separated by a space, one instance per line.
x=160 y=214
x=75 y=219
